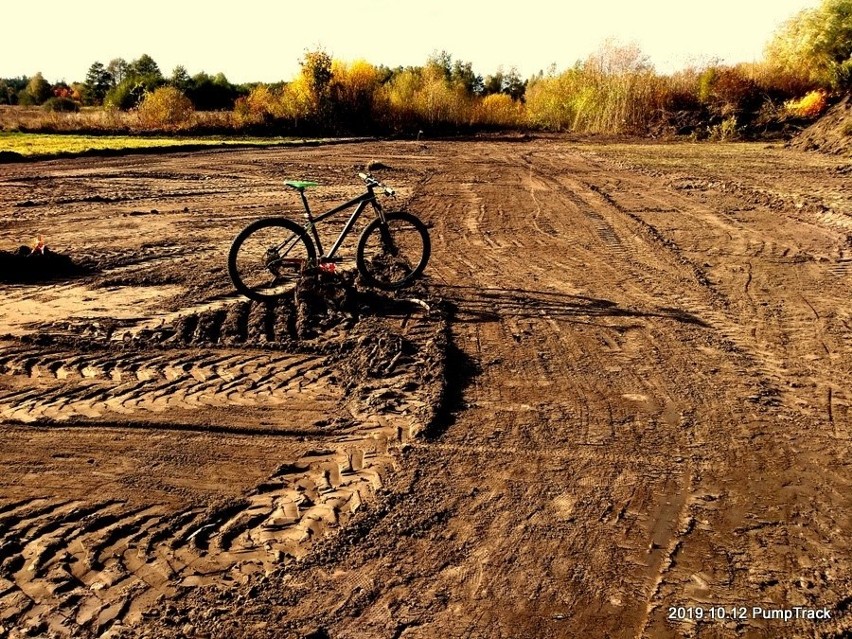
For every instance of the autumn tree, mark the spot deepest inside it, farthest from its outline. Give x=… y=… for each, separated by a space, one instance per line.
x=316 y=75
x=817 y=43
x=37 y=91
x=352 y=90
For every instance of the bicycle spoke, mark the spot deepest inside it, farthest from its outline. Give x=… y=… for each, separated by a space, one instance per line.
x=394 y=254
x=269 y=260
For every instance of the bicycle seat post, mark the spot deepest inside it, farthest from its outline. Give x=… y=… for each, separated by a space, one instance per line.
x=308 y=215
x=310 y=219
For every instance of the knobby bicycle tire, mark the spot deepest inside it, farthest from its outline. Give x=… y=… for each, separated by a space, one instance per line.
x=268 y=256
x=393 y=254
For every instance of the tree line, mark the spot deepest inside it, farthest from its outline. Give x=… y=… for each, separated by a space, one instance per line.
x=122 y=85
x=615 y=89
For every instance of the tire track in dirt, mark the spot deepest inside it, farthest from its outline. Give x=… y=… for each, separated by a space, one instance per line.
x=75 y=565
x=609 y=462
x=100 y=385
x=100 y=567
x=542 y=332
x=793 y=327
x=773 y=358
x=604 y=464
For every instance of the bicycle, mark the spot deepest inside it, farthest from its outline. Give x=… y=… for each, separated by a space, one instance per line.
x=268 y=257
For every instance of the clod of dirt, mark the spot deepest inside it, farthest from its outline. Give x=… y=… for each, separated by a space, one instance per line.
x=377 y=353
x=27 y=266
x=324 y=300
x=377 y=166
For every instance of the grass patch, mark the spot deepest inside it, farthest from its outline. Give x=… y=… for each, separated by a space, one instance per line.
x=47 y=144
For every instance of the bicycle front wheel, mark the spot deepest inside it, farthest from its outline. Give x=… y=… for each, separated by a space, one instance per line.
x=268 y=257
x=392 y=254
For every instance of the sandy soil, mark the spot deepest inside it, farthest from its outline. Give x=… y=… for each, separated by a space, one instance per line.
x=627 y=399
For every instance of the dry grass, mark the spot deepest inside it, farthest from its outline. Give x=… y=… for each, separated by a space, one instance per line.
x=97 y=120
x=47 y=144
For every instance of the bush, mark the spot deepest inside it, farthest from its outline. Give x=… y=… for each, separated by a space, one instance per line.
x=165 y=108
x=62 y=105
x=129 y=92
x=499 y=109
x=728 y=91
x=725 y=131
x=810 y=106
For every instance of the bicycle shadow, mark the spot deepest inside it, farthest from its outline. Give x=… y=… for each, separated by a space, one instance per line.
x=482 y=305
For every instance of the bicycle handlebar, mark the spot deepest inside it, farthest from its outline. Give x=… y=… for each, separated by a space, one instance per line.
x=371 y=181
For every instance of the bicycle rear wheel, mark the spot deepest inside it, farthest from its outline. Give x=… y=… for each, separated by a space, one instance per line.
x=393 y=254
x=268 y=257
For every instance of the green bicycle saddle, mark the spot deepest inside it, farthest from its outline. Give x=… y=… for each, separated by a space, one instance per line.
x=300 y=185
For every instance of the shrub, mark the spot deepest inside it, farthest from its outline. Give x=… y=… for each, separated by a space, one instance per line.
x=262 y=104
x=63 y=105
x=810 y=106
x=499 y=109
x=128 y=94
x=725 y=131
x=728 y=90
x=165 y=108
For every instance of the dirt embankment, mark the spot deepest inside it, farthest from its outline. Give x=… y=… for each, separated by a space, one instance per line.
x=832 y=133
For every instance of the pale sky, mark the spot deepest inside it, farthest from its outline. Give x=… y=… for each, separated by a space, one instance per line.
x=262 y=40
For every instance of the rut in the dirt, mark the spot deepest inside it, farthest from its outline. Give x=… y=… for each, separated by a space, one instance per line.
x=375 y=362
x=660 y=417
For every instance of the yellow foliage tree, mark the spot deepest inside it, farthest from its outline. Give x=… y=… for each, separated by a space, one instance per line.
x=499 y=109
x=165 y=108
x=817 y=43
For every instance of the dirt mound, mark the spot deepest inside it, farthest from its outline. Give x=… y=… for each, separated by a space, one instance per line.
x=322 y=304
x=27 y=266
x=832 y=133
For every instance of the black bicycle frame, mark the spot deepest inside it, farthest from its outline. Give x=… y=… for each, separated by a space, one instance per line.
x=362 y=200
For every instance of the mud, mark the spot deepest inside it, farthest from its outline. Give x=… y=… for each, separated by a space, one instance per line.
x=622 y=388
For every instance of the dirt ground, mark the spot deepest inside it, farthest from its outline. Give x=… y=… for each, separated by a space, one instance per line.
x=832 y=133
x=618 y=405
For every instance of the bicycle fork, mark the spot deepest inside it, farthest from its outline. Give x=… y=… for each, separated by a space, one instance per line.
x=384 y=230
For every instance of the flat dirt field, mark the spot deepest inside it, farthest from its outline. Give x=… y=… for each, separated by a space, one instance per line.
x=617 y=406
